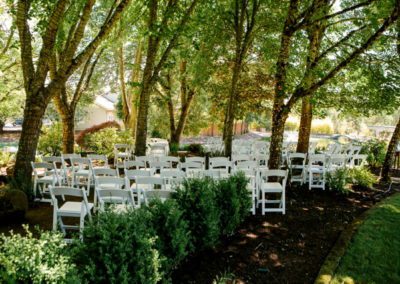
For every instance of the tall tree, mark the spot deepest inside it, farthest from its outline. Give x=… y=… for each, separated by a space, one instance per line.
x=299 y=18
x=244 y=28
x=152 y=68
x=74 y=52
x=395 y=140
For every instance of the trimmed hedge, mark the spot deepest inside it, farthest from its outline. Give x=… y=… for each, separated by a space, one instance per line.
x=139 y=246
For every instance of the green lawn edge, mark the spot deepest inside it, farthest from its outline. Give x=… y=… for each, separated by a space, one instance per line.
x=332 y=261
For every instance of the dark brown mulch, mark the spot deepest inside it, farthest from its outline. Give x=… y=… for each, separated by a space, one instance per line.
x=279 y=248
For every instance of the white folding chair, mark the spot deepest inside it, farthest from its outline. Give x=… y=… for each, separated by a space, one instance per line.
x=275 y=188
x=316 y=171
x=336 y=161
x=106 y=182
x=199 y=160
x=134 y=165
x=251 y=175
x=261 y=159
x=240 y=158
x=67 y=165
x=121 y=152
x=44 y=176
x=144 y=184
x=81 y=173
x=297 y=164
x=75 y=209
x=158 y=166
x=221 y=163
x=358 y=160
x=191 y=168
x=98 y=161
x=172 y=177
x=59 y=168
x=105 y=172
x=173 y=161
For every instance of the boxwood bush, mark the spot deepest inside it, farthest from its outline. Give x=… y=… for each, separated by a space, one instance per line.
x=41 y=259
x=198 y=200
x=119 y=248
x=138 y=246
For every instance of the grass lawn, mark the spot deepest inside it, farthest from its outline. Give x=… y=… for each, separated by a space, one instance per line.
x=373 y=255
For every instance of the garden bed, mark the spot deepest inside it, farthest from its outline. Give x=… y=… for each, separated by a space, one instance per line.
x=283 y=248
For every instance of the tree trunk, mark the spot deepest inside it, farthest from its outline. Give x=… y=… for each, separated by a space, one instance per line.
x=231 y=108
x=68 y=137
x=134 y=90
x=121 y=78
x=305 y=125
x=33 y=113
x=278 y=128
x=387 y=164
x=2 y=123
x=176 y=137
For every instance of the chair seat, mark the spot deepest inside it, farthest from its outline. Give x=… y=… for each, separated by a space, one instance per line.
x=46 y=179
x=272 y=187
x=316 y=170
x=123 y=155
x=72 y=209
x=82 y=173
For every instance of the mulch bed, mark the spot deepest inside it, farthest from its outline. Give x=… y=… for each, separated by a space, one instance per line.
x=287 y=248
x=273 y=248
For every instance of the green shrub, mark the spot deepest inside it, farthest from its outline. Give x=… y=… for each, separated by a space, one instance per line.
x=362 y=177
x=80 y=139
x=50 y=140
x=174 y=148
x=26 y=259
x=6 y=159
x=197 y=199
x=196 y=149
x=376 y=151
x=337 y=180
x=173 y=242
x=103 y=141
x=119 y=248
x=234 y=201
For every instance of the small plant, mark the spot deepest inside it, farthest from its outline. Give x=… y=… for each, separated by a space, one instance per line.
x=337 y=180
x=234 y=201
x=6 y=159
x=119 y=248
x=103 y=141
x=26 y=259
x=197 y=200
x=362 y=177
x=376 y=151
x=50 y=141
x=173 y=234
x=174 y=148
x=225 y=278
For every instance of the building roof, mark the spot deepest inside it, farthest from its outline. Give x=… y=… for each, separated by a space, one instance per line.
x=104 y=103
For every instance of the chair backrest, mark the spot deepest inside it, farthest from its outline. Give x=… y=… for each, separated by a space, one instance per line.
x=201 y=160
x=240 y=158
x=115 y=196
x=191 y=165
x=358 y=160
x=52 y=159
x=122 y=147
x=169 y=159
x=98 y=160
x=129 y=164
x=159 y=165
x=317 y=159
x=338 y=160
x=296 y=159
x=212 y=173
x=40 y=169
x=80 y=163
x=66 y=158
x=219 y=162
x=274 y=175
x=261 y=159
x=132 y=174
x=149 y=183
x=68 y=191
x=172 y=173
x=105 y=172
x=106 y=182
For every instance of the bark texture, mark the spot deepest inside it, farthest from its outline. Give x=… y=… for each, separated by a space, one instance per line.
x=389 y=158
